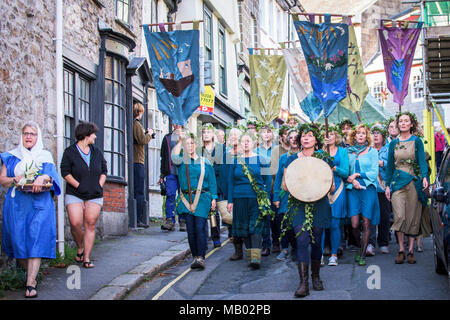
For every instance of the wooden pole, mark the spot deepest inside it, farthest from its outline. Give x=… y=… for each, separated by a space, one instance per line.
x=326 y=133
x=167 y=23
x=187 y=171
x=359 y=116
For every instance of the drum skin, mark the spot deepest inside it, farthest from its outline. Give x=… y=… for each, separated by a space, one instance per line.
x=308 y=179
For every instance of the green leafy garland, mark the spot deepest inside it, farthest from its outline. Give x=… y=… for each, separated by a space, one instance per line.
x=294 y=204
x=261 y=195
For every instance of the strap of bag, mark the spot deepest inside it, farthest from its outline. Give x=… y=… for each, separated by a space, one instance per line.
x=332 y=198
x=192 y=207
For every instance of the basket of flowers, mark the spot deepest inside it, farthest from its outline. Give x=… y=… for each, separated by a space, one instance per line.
x=30 y=174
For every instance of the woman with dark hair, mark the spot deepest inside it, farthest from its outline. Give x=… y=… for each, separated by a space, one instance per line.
x=406 y=178
x=361 y=188
x=247 y=188
x=29 y=226
x=84 y=169
x=298 y=212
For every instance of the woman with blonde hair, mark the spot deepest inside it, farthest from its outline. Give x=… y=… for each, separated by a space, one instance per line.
x=362 y=195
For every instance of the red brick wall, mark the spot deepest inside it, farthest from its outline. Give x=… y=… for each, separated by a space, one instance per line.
x=114 y=199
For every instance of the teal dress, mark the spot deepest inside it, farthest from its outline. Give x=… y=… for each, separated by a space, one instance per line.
x=322 y=208
x=209 y=187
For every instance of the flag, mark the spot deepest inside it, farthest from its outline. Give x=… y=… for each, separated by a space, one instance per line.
x=325 y=47
x=398 y=46
x=298 y=71
x=174 y=58
x=267 y=75
x=357 y=88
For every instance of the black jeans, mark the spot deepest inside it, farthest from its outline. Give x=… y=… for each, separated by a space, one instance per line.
x=139 y=171
x=304 y=241
x=197 y=237
x=383 y=227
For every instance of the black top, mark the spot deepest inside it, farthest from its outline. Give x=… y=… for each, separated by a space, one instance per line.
x=88 y=177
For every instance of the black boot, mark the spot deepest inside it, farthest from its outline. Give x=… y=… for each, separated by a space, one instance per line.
x=315 y=276
x=303 y=288
x=238 y=253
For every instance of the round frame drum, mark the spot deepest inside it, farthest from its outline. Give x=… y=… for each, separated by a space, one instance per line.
x=309 y=179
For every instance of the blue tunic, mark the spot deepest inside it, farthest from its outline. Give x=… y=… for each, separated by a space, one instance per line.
x=29 y=222
x=209 y=185
x=278 y=193
x=364 y=201
x=341 y=162
x=322 y=208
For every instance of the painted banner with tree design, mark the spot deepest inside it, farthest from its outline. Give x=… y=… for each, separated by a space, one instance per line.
x=398 y=45
x=357 y=88
x=325 y=47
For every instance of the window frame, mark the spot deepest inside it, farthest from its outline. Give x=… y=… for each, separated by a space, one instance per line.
x=222 y=58
x=417 y=87
x=77 y=79
x=121 y=17
x=120 y=130
x=209 y=49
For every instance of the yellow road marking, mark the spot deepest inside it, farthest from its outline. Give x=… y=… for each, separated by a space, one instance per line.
x=167 y=287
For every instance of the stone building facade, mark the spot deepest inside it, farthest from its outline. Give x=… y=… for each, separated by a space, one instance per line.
x=104 y=74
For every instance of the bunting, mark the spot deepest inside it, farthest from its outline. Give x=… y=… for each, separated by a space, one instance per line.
x=174 y=58
x=298 y=72
x=267 y=76
x=398 y=45
x=325 y=47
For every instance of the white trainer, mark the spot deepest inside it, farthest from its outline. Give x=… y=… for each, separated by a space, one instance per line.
x=370 y=251
x=333 y=261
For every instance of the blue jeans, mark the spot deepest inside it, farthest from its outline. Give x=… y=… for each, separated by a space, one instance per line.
x=139 y=172
x=171 y=187
x=196 y=234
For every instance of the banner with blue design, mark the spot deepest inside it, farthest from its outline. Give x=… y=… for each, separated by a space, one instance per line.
x=398 y=45
x=174 y=59
x=325 y=47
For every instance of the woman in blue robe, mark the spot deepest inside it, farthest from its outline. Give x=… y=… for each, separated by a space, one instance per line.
x=29 y=223
x=362 y=195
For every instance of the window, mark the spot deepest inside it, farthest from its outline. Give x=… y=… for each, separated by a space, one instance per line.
x=208 y=36
x=254 y=33
x=77 y=97
x=379 y=92
x=123 y=10
x=154 y=12
x=114 y=123
x=222 y=61
x=157 y=121
x=417 y=85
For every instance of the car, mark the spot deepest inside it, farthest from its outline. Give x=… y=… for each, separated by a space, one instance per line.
x=439 y=214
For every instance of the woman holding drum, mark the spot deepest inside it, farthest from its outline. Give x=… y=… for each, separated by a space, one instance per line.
x=362 y=195
x=308 y=180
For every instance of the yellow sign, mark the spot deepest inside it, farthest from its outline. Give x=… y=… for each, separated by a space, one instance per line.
x=207 y=101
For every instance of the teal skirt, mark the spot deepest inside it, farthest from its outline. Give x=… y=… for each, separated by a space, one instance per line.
x=245 y=216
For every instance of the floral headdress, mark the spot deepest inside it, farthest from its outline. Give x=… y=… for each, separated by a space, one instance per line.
x=380 y=129
x=414 y=121
x=283 y=129
x=208 y=126
x=336 y=128
x=346 y=121
x=307 y=127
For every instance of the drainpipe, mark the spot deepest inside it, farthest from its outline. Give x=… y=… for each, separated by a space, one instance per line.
x=59 y=121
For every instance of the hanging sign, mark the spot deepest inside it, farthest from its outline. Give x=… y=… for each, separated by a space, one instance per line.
x=207 y=101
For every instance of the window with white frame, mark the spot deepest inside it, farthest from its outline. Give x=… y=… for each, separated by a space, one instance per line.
x=417 y=88
x=254 y=32
x=379 y=91
x=222 y=61
x=123 y=10
x=208 y=33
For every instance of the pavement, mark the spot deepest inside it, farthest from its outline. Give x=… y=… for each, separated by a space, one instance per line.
x=121 y=264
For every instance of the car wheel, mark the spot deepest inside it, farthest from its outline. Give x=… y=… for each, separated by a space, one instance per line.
x=439 y=266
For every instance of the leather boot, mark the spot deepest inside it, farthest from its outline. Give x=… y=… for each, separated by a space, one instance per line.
x=238 y=253
x=303 y=288
x=315 y=277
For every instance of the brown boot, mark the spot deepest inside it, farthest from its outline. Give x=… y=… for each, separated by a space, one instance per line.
x=303 y=288
x=411 y=259
x=315 y=275
x=400 y=257
x=238 y=253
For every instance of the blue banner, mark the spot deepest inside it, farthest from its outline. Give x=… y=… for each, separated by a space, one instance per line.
x=325 y=47
x=174 y=59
